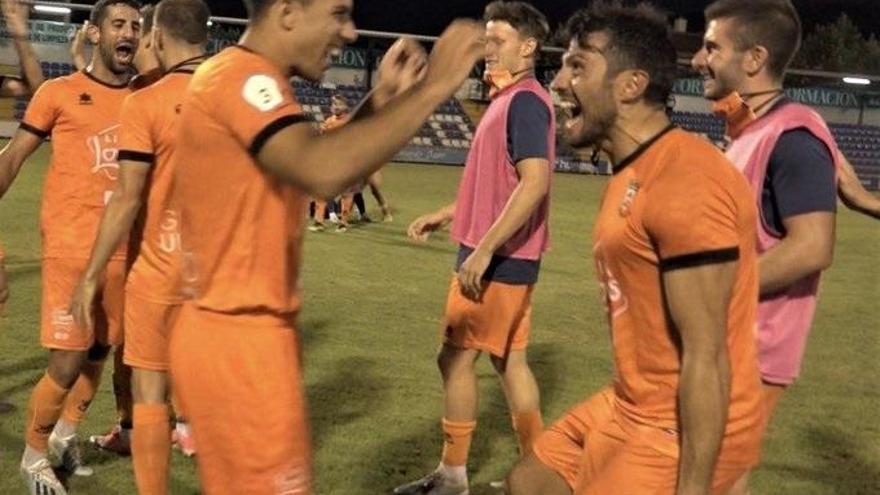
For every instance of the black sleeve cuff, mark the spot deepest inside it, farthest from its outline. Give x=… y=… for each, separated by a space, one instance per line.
x=137 y=156
x=700 y=259
x=33 y=130
x=275 y=127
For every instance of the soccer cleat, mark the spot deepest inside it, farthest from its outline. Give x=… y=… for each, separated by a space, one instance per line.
x=67 y=455
x=387 y=218
x=432 y=484
x=316 y=227
x=41 y=480
x=342 y=227
x=117 y=440
x=182 y=440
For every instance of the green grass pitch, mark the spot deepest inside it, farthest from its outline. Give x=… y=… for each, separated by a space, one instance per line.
x=370 y=324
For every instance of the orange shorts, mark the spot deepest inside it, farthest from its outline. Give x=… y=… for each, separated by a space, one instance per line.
x=597 y=451
x=57 y=328
x=238 y=380
x=499 y=323
x=148 y=327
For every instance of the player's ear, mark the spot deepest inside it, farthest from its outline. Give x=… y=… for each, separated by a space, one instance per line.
x=528 y=47
x=93 y=33
x=156 y=41
x=292 y=13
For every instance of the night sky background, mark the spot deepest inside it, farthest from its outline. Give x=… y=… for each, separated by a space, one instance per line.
x=429 y=17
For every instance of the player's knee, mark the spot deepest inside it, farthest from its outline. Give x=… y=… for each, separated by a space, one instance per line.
x=149 y=386
x=529 y=476
x=453 y=360
x=65 y=366
x=519 y=481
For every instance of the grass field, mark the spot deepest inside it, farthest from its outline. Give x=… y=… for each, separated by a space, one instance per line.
x=370 y=324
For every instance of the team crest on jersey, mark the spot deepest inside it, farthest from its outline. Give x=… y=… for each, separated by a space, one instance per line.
x=629 y=197
x=104 y=146
x=85 y=99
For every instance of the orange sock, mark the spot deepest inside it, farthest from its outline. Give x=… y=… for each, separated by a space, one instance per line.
x=457 y=441
x=151 y=448
x=83 y=392
x=528 y=426
x=43 y=412
x=122 y=389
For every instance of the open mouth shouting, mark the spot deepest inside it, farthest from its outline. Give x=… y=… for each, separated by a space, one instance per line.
x=124 y=52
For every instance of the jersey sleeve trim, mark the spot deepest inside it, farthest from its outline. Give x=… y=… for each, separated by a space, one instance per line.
x=274 y=128
x=34 y=130
x=137 y=156
x=694 y=260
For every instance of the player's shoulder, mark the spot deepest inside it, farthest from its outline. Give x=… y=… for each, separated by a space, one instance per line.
x=685 y=149
x=232 y=65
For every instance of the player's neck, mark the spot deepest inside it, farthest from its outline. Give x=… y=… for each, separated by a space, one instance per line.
x=260 y=42
x=175 y=56
x=630 y=133
x=102 y=73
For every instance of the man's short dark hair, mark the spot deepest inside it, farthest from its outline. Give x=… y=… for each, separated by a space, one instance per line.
x=99 y=11
x=147 y=13
x=256 y=8
x=773 y=24
x=524 y=17
x=186 y=20
x=638 y=38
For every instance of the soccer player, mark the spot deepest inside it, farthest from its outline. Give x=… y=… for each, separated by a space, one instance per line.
x=339 y=115
x=247 y=159
x=147 y=144
x=118 y=438
x=80 y=112
x=674 y=251
x=789 y=157
x=16 y=16
x=500 y=221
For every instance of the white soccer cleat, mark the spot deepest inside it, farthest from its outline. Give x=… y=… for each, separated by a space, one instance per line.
x=433 y=484
x=41 y=480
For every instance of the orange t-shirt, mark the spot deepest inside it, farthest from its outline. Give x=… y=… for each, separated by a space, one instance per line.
x=242 y=228
x=677 y=203
x=149 y=122
x=81 y=114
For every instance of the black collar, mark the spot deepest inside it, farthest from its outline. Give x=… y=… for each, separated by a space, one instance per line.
x=182 y=66
x=641 y=149
x=103 y=83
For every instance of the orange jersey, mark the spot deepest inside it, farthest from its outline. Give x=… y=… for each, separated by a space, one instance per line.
x=677 y=203
x=149 y=121
x=241 y=227
x=81 y=114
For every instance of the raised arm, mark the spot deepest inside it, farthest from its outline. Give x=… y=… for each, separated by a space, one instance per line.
x=326 y=165
x=13 y=156
x=16 y=15
x=853 y=194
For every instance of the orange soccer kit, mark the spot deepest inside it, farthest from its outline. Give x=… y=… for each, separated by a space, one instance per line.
x=152 y=293
x=677 y=203
x=234 y=350
x=347 y=201
x=81 y=114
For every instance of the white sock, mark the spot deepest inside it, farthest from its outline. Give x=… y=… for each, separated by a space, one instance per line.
x=31 y=456
x=64 y=430
x=456 y=474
